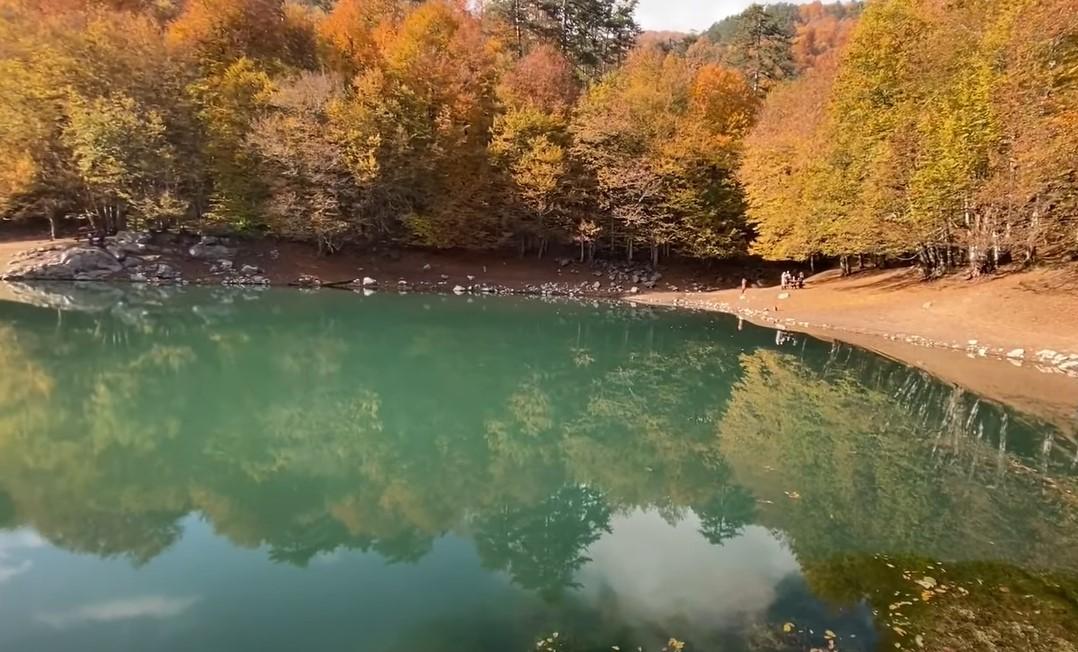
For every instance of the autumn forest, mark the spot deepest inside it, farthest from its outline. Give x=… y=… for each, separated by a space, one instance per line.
x=942 y=132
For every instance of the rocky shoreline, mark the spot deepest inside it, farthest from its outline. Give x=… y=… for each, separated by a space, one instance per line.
x=164 y=258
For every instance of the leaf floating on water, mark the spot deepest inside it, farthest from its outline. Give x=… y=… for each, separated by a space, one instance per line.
x=829 y=634
x=919 y=640
x=898 y=630
x=926 y=582
x=927 y=595
x=788 y=627
x=792 y=495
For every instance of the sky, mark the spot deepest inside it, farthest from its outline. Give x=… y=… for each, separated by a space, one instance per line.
x=686 y=15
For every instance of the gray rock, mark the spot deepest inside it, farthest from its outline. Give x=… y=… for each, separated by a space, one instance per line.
x=211 y=247
x=368 y=282
x=166 y=271
x=79 y=262
x=250 y=270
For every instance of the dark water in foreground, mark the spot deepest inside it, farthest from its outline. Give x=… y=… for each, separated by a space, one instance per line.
x=210 y=470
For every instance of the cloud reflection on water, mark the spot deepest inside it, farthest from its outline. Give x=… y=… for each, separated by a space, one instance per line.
x=649 y=571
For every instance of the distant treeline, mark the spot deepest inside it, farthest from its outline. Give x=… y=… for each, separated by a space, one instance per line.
x=939 y=131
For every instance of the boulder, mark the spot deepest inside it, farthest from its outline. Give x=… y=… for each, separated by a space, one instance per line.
x=308 y=281
x=72 y=263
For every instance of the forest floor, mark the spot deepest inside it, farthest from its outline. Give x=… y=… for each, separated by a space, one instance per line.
x=961 y=330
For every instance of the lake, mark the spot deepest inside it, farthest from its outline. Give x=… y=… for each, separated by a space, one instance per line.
x=212 y=469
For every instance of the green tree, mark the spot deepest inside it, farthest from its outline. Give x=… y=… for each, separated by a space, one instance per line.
x=760 y=47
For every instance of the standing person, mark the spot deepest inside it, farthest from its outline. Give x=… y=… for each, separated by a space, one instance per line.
x=744 y=285
x=801 y=280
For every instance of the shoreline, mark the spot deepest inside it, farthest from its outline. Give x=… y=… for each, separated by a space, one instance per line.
x=1012 y=338
x=1039 y=390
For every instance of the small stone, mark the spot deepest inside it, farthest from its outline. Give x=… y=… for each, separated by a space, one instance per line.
x=1016 y=353
x=1046 y=355
x=164 y=271
x=368 y=282
x=426 y=268
x=634 y=290
x=457 y=289
x=250 y=270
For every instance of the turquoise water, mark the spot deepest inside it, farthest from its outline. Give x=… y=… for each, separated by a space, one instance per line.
x=202 y=469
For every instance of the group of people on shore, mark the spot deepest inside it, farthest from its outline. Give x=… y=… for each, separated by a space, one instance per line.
x=789 y=281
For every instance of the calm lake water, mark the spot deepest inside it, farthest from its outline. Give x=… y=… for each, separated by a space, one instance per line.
x=203 y=469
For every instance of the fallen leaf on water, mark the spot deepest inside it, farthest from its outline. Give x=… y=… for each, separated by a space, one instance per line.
x=793 y=495
x=927 y=595
x=919 y=640
x=828 y=634
x=926 y=582
x=898 y=630
x=788 y=627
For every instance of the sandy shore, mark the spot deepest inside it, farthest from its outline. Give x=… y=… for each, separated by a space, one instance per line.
x=1011 y=338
